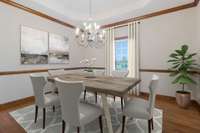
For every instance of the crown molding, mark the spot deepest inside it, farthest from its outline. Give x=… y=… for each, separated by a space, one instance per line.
x=150 y=15
x=38 y=13
x=154 y=14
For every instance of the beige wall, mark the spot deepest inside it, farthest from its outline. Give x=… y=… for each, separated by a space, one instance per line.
x=197 y=91
x=159 y=36
x=11 y=18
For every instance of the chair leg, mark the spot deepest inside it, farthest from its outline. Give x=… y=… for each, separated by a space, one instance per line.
x=114 y=98
x=85 y=94
x=63 y=126
x=44 y=117
x=149 y=126
x=152 y=124
x=122 y=103
x=54 y=108
x=36 y=113
x=78 y=129
x=123 y=123
x=96 y=99
x=101 y=124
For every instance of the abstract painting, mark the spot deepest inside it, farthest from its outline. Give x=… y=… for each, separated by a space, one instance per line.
x=58 y=49
x=34 y=46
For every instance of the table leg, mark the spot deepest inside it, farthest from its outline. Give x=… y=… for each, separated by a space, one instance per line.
x=107 y=113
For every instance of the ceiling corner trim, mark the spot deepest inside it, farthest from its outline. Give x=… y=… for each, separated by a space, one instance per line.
x=38 y=13
x=154 y=14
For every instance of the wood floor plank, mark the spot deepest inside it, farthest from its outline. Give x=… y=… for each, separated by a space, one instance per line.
x=175 y=119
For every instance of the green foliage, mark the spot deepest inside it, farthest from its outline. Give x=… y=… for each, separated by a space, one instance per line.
x=181 y=63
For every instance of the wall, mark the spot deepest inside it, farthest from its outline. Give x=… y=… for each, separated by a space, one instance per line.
x=159 y=36
x=11 y=18
x=197 y=46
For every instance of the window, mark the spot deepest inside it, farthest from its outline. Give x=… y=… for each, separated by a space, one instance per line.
x=121 y=54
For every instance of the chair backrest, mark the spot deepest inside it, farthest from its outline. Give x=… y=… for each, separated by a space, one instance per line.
x=152 y=92
x=120 y=73
x=56 y=72
x=38 y=83
x=99 y=72
x=69 y=94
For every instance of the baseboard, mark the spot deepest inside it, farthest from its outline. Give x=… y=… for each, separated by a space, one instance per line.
x=158 y=96
x=170 y=98
x=17 y=103
x=196 y=104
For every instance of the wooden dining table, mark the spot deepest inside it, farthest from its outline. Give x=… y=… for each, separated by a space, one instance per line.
x=103 y=85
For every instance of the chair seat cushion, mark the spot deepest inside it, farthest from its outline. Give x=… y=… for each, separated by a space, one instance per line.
x=51 y=99
x=137 y=108
x=89 y=112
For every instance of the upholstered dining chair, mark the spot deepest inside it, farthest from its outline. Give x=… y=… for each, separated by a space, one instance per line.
x=42 y=100
x=74 y=113
x=120 y=74
x=140 y=108
x=55 y=72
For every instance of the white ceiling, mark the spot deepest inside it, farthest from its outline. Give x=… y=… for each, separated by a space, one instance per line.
x=103 y=11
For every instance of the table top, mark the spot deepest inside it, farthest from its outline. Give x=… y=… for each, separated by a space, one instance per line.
x=116 y=86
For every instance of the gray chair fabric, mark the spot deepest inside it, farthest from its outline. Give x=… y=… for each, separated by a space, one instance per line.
x=42 y=100
x=73 y=112
x=99 y=72
x=56 y=72
x=120 y=73
x=140 y=108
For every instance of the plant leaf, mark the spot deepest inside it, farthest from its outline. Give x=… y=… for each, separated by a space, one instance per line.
x=184 y=49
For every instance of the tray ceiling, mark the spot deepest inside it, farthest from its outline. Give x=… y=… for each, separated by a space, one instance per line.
x=103 y=11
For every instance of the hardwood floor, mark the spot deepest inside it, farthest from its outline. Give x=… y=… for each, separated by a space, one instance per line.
x=176 y=120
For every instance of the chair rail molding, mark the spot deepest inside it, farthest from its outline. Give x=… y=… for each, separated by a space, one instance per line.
x=17 y=72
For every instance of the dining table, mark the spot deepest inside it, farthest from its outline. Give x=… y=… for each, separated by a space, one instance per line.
x=104 y=86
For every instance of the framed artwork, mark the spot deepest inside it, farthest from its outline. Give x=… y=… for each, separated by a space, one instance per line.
x=58 y=49
x=34 y=46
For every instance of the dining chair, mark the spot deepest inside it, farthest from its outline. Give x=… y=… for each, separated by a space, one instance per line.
x=75 y=113
x=142 y=109
x=56 y=72
x=123 y=73
x=42 y=100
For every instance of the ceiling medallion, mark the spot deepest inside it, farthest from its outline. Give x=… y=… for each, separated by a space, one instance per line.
x=90 y=34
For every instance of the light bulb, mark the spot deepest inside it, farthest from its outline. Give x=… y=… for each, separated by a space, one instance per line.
x=97 y=27
x=77 y=31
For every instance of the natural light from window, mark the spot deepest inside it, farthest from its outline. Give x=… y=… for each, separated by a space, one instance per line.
x=121 y=54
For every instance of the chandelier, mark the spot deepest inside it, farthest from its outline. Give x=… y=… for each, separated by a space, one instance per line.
x=90 y=33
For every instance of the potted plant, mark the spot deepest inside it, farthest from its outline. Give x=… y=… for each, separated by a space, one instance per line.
x=182 y=63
